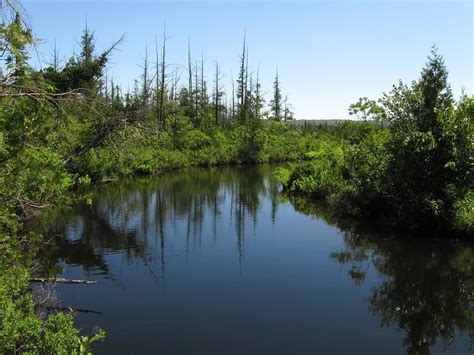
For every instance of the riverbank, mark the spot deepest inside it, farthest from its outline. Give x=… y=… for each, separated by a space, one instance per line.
x=415 y=175
x=359 y=176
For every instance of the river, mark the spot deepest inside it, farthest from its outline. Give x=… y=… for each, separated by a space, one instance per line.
x=216 y=261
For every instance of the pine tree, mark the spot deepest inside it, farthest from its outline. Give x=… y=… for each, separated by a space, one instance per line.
x=259 y=101
x=87 y=46
x=427 y=172
x=435 y=90
x=241 y=83
x=14 y=49
x=276 y=102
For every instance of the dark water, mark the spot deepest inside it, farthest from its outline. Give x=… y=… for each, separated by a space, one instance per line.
x=214 y=261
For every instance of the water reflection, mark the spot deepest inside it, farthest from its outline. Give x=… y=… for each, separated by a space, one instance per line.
x=136 y=217
x=196 y=228
x=426 y=286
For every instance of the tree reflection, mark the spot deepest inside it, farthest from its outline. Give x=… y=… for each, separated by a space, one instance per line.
x=137 y=217
x=427 y=286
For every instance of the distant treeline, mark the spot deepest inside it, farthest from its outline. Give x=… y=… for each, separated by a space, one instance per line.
x=327 y=123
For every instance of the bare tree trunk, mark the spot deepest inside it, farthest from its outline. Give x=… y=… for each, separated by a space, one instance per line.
x=246 y=88
x=55 y=57
x=203 y=85
x=217 y=89
x=162 y=83
x=106 y=92
x=157 y=84
x=257 y=95
x=196 y=93
x=233 y=99
x=145 y=88
x=112 y=91
x=190 y=70
x=241 y=82
x=62 y=281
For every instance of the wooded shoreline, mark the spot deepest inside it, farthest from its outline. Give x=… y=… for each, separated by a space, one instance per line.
x=66 y=126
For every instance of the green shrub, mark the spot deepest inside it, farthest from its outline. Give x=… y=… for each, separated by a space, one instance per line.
x=38 y=177
x=464 y=213
x=22 y=330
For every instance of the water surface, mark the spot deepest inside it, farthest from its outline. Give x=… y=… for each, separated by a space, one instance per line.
x=214 y=261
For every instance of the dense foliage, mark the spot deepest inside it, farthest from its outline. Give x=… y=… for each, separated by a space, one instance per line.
x=415 y=174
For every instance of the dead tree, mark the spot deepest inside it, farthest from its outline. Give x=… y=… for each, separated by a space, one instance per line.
x=162 y=117
x=217 y=92
x=190 y=70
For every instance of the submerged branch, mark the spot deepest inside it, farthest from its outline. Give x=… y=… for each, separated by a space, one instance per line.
x=62 y=281
x=71 y=309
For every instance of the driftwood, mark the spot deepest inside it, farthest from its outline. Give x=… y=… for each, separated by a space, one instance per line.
x=62 y=281
x=71 y=309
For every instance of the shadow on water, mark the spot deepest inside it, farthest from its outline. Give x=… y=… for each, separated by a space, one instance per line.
x=426 y=288
x=423 y=287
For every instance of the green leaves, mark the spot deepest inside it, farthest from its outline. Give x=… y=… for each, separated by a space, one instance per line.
x=366 y=109
x=416 y=174
x=38 y=177
x=14 y=40
x=21 y=329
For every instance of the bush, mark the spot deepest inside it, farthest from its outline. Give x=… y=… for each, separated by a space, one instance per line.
x=22 y=330
x=415 y=174
x=464 y=213
x=38 y=177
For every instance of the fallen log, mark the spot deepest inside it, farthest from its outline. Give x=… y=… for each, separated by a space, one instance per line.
x=62 y=281
x=71 y=309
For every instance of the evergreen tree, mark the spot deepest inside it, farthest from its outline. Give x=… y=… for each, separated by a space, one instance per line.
x=82 y=72
x=242 y=83
x=429 y=169
x=14 y=39
x=276 y=102
x=87 y=46
x=258 y=100
x=287 y=111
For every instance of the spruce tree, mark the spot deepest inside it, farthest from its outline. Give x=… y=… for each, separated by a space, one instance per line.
x=276 y=102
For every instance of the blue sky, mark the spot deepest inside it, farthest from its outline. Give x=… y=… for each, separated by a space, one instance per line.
x=328 y=53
